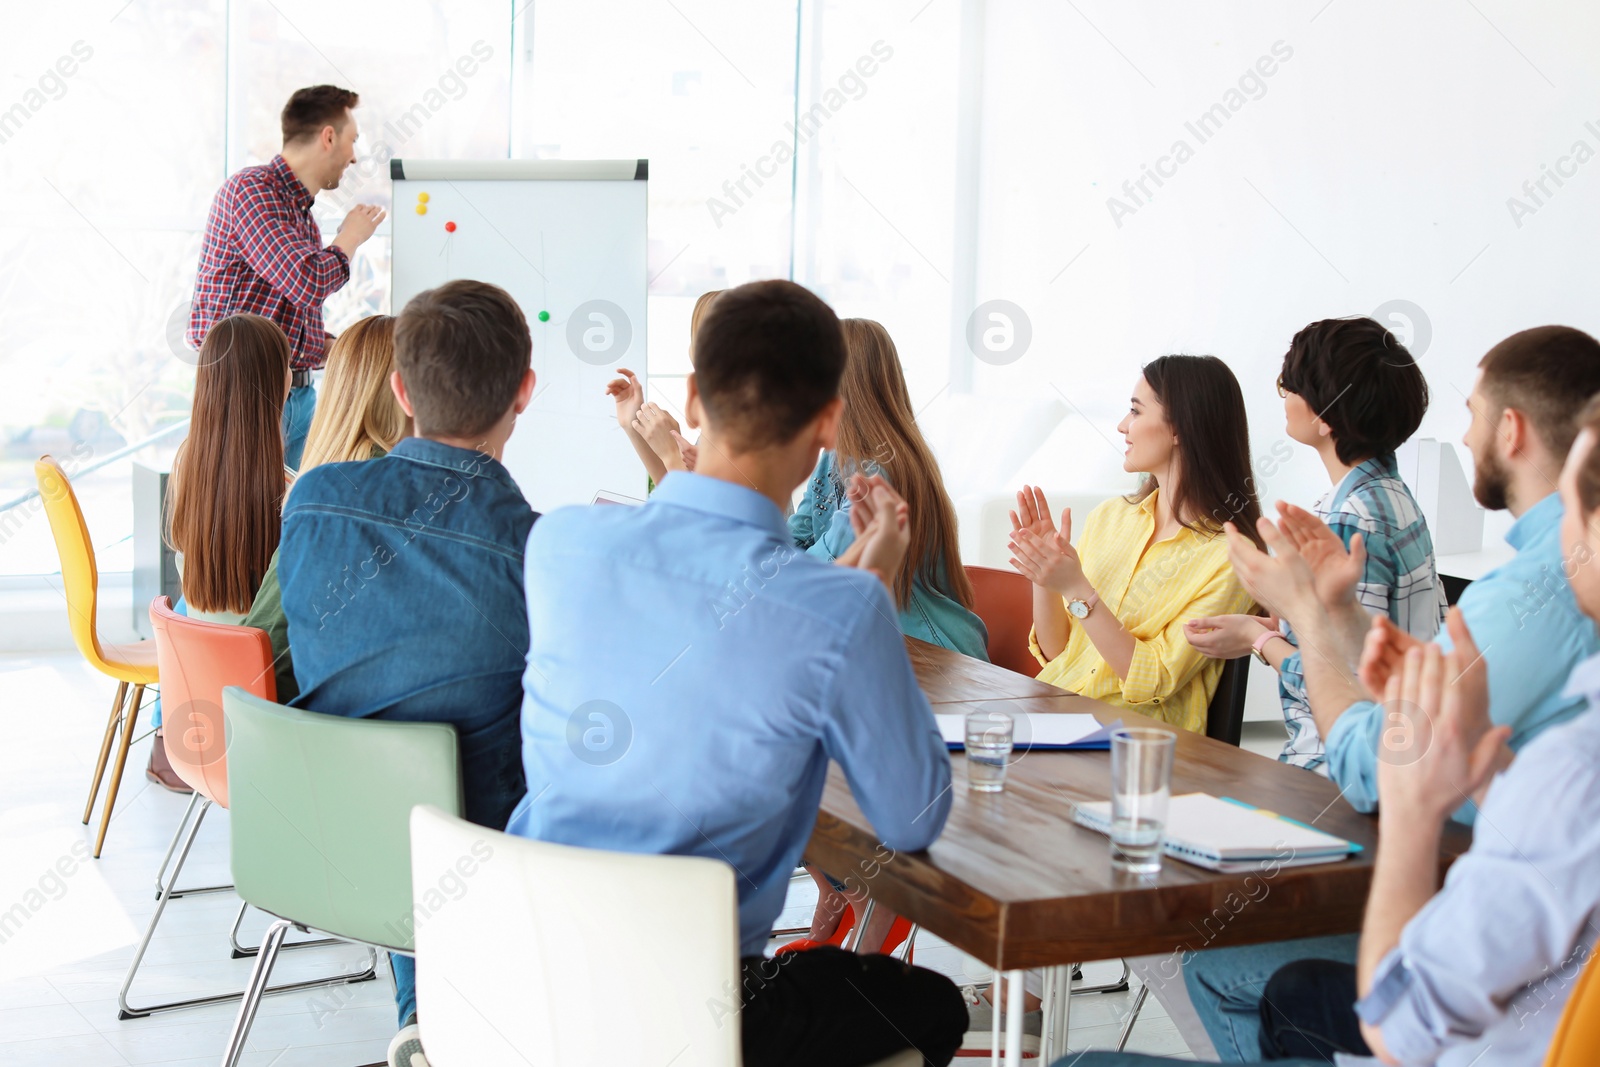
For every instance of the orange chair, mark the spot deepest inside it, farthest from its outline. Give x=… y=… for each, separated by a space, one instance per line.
x=1577 y=1039
x=199 y=659
x=133 y=664
x=1004 y=601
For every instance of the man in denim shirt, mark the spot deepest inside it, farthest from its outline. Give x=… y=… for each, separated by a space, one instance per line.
x=402 y=576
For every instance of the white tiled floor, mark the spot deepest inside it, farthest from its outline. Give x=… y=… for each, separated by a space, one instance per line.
x=66 y=938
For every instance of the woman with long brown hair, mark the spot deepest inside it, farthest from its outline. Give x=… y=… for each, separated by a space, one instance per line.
x=357 y=418
x=1109 y=615
x=878 y=434
x=225 y=493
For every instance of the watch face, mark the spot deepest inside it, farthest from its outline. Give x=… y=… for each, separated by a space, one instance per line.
x=1078 y=608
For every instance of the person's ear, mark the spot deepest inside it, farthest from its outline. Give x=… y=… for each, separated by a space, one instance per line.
x=692 y=414
x=826 y=423
x=1511 y=436
x=524 y=392
x=399 y=386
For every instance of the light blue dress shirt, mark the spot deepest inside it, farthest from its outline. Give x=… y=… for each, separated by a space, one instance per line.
x=1528 y=627
x=1484 y=970
x=690 y=675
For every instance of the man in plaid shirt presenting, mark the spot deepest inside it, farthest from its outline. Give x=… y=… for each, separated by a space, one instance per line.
x=263 y=253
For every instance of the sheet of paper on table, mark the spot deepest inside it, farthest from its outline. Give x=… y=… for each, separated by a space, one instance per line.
x=1043 y=731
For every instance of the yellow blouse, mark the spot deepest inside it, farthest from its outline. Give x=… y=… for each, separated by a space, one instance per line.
x=1152 y=592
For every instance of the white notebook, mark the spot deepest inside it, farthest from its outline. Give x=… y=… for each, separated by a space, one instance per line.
x=1224 y=834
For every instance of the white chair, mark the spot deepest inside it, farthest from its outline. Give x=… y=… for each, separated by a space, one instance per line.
x=529 y=952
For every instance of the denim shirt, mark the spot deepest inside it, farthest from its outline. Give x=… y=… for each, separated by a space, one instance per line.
x=821 y=526
x=402 y=587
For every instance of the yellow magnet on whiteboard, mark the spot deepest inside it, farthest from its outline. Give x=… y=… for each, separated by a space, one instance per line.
x=422 y=209
x=422 y=198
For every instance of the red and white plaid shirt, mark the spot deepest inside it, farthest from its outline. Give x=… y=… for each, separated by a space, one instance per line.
x=263 y=254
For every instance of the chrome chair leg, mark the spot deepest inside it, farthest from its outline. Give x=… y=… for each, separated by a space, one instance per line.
x=1119 y=986
x=128 y=1011
x=270 y=943
x=177 y=835
x=240 y=952
x=1133 y=1017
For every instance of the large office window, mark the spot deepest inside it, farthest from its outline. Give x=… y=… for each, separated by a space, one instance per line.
x=813 y=140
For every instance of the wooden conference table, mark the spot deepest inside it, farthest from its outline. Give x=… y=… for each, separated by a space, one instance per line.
x=1016 y=883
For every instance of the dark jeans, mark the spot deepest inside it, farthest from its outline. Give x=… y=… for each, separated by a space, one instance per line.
x=826 y=1005
x=1308 y=1010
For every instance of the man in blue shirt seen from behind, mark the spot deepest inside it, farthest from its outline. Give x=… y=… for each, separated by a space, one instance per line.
x=402 y=576
x=692 y=674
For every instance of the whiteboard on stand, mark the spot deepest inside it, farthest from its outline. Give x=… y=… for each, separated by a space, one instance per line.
x=566 y=238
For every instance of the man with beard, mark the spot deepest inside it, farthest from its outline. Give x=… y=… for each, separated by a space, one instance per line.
x=1524 y=406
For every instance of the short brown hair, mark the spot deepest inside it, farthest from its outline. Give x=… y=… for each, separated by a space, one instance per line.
x=1547 y=373
x=462 y=350
x=309 y=110
x=768 y=357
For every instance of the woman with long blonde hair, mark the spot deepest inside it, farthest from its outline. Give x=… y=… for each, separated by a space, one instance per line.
x=357 y=419
x=878 y=434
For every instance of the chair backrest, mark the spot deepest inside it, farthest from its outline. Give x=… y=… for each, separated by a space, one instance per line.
x=1577 y=1039
x=80 y=578
x=529 y=952
x=319 y=807
x=1004 y=601
x=196 y=660
x=1225 y=716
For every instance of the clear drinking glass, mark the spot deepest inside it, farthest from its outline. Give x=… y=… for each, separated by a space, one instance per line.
x=989 y=740
x=1141 y=786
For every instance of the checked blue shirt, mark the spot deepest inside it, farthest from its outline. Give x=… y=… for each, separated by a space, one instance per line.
x=1400 y=581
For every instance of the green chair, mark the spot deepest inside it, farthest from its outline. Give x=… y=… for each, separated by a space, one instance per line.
x=320 y=807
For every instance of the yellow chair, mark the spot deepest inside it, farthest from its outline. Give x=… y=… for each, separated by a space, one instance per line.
x=131 y=665
x=1577 y=1040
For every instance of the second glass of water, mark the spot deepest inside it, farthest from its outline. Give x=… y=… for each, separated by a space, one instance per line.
x=989 y=740
x=1141 y=786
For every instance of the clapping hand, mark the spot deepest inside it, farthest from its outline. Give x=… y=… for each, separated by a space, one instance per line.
x=1335 y=570
x=1282 y=582
x=687 y=454
x=657 y=428
x=1042 y=553
x=881 y=521
x=1384 y=653
x=629 y=395
x=1439 y=746
x=1226 y=636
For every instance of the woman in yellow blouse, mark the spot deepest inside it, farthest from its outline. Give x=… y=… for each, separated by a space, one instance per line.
x=1108 y=616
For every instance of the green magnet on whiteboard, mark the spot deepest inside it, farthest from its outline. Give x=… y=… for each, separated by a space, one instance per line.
x=544 y=316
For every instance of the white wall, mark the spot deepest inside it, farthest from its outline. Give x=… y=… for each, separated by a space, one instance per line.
x=1373 y=165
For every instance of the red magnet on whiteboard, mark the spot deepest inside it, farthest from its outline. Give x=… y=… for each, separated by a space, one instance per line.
x=449 y=227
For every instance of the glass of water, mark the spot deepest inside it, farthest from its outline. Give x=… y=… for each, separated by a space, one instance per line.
x=1141 y=786
x=989 y=740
